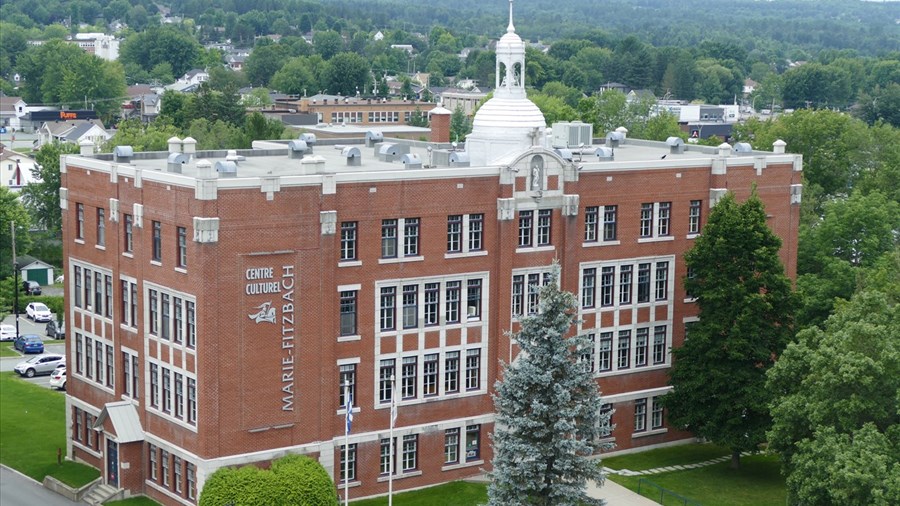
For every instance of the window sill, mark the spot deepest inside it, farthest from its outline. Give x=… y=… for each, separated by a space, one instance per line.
x=400 y=476
x=100 y=247
x=466 y=254
x=127 y=254
x=535 y=249
x=79 y=241
x=656 y=239
x=462 y=465
x=343 y=412
x=181 y=270
x=692 y=236
x=347 y=339
x=647 y=433
x=86 y=448
x=352 y=484
x=400 y=260
x=156 y=263
x=595 y=244
x=690 y=300
x=350 y=263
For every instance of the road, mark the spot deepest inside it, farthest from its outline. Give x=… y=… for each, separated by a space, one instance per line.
x=18 y=490
x=26 y=326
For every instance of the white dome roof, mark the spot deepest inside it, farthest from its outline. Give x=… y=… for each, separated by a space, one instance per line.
x=505 y=113
x=510 y=42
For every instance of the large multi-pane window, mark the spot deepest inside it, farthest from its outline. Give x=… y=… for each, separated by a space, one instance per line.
x=662 y=280
x=410 y=306
x=179 y=395
x=604 y=357
x=154 y=312
x=591 y=219
x=177 y=468
x=385 y=383
x=154 y=465
x=451 y=372
x=191 y=324
x=623 y=356
x=164 y=460
x=347 y=378
x=348 y=312
x=166 y=389
x=663 y=218
x=476 y=232
x=526 y=292
x=107 y=295
x=473 y=369
x=451 y=446
x=101 y=226
x=432 y=303
x=647 y=219
x=386 y=459
x=348 y=463
x=625 y=275
x=79 y=221
x=430 y=374
x=348 y=240
x=181 y=252
x=607 y=281
x=411 y=237
x=166 y=327
x=157 y=241
x=388 y=238
x=659 y=344
x=78 y=286
x=640 y=415
x=191 y=473
x=609 y=223
x=178 y=320
x=410 y=452
x=388 y=307
x=154 y=385
x=656 y=412
x=526 y=229
x=192 y=401
x=473 y=295
x=452 y=292
x=641 y=346
x=586 y=355
x=643 y=285
x=656 y=219
x=390 y=230
x=543 y=226
x=473 y=442
x=694 y=216
x=128 y=245
x=408 y=377
x=454 y=233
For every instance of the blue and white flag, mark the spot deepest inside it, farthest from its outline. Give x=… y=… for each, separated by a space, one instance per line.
x=349 y=407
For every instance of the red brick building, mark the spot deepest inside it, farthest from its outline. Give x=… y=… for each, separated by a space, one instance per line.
x=217 y=301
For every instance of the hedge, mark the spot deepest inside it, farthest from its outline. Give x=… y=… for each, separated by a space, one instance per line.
x=294 y=480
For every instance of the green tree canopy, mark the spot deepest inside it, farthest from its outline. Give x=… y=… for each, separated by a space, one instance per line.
x=548 y=417
x=263 y=62
x=328 y=43
x=12 y=210
x=345 y=73
x=42 y=198
x=160 y=44
x=746 y=319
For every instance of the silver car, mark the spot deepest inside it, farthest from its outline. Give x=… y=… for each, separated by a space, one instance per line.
x=40 y=364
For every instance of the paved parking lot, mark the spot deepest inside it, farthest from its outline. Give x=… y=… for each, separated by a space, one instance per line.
x=27 y=326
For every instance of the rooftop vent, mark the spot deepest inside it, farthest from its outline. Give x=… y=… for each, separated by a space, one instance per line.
x=605 y=154
x=175 y=161
x=459 y=159
x=614 y=139
x=373 y=137
x=310 y=139
x=564 y=153
x=232 y=156
x=389 y=152
x=411 y=161
x=743 y=147
x=676 y=145
x=123 y=154
x=353 y=156
x=296 y=149
x=226 y=169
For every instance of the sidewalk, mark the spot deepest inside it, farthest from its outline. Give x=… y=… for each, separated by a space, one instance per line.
x=617 y=495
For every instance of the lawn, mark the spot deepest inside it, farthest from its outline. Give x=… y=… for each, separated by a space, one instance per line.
x=7 y=350
x=33 y=429
x=457 y=493
x=757 y=483
x=133 y=501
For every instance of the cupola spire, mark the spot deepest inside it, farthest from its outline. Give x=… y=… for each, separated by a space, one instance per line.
x=510 y=28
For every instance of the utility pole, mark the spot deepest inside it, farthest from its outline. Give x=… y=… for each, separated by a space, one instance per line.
x=12 y=226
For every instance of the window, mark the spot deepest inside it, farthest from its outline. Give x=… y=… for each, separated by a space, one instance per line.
x=181 y=253
x=591 y=218
x=192 y=401
x=643 y=287
x=179 y=395
x=178 y=320
x=154 y=385
x=98 y=357
x=607 y=279
x=164 y=460
x=432 y=303
x=388 y=307
x=191 y=481
x=451 y=372
x=606 y=421
x=604 y=362
x=454 y=233
x=526 y=225
x=166 y=329
x=134 y=304
x=656 y=413
x=430 y=374
x=625 y=284
x=588 y=287
x=663 y=218
x=135 y=378
x=473 y=369
x=166 y=390
x=691 y=275
x=452 y=301
x=410 y=306
x=176 y=466
x=348 y=463
x=88 y=421
x=451 y=446
x=623 y=360
x=348 y=313
x=586 y=357
x=411 y=237
x=347 y=377
x=154 y=312
x=647 y=219
x=386 y=456
x=659 y=344
x=408 y=377
x=101 y=226
x=609 y=222
x=110 y=367
x=191 y=325
x=79 y=221
x=476 y=232
x=694 y=217
x=473 y=290
x=88 y=357
x=88 y=280
x=385 y=381
x=108 y=295
x=79 y=425
x=662 y=280
x=157 y=241
x=518 y=295
x=543 y=227
x=79 y=368
x=640 y=415
x=78 y=286
x=153 y=463
x=641 y=345
x=473 y=442
x=98 y=293
x=410 y=452
x=348 y=240
x=128 y=245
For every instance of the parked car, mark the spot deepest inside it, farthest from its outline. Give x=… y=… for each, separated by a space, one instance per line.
x=56 y=331
x=31 y=287
x=7 y=332
x=58 y=378
x=38 y=312
x=41 y=364
x=29 y=343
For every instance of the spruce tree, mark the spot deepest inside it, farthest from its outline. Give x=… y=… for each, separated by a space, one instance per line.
x=746 y=320
x=548 y=412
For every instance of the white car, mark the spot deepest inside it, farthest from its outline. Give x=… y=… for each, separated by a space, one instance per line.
x=7 y=332
x=41 y=364
x=58 y=378
x=38 y=312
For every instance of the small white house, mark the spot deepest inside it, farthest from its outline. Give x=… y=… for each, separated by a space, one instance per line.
x=15 y=169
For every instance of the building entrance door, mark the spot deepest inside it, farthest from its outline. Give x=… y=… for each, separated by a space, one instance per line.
x=112 y=463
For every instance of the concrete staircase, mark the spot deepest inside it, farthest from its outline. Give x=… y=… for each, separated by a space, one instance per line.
x=100 y=493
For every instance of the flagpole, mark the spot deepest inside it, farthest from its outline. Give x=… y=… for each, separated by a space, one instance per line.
x=393 y=416
x=349 y=407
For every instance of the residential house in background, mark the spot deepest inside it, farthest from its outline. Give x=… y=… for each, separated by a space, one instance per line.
x=15 y=169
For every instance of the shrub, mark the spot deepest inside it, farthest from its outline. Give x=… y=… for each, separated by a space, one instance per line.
x=292 y=480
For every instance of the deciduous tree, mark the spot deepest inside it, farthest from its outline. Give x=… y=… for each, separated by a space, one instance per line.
x=12 y=210
x=42 y=198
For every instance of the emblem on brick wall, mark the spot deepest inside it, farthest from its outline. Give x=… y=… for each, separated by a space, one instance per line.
x=266 y=313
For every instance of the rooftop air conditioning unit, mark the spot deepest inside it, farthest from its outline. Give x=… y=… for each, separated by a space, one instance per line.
x=572 y=135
